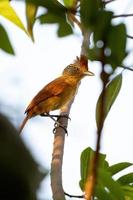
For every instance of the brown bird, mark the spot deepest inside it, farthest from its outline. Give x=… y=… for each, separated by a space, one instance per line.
x=57 y=93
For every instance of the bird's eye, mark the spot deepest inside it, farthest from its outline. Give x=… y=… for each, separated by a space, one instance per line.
x=76 y=68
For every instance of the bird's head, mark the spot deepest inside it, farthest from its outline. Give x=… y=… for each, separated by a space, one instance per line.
x=76 y=71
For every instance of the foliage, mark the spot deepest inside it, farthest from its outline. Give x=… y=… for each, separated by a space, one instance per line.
x=105 y=32
x=5 y=42
x=9 y=13
x=107 y=187
x=111 y=92
x=56 y=14
x=31 y=11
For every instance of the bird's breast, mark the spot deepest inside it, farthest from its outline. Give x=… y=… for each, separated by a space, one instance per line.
x=66 y=96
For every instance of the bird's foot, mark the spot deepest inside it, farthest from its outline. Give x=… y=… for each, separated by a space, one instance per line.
x=55 y=116
x=58 y=125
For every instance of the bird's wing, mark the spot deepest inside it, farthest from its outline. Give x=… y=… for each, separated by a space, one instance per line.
x=53 y=88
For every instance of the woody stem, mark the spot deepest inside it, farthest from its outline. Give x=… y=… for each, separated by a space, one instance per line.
x=59 y=136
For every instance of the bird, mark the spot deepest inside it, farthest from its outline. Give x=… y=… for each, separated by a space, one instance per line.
x=58 y=93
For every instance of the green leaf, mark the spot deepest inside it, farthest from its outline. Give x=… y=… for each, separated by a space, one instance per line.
x=94 y=54
x=126 y=179
x=101 y=29
x=31 y=11
x=111 y=92
x=64 y=28
x=49 y=18
x=102 y=194
x=116 y=41
x=5 y=42
x=114 y=169
x=104 y=178
x=56 y=13
x=128 y=190
x=9 y=13
x=106 y=187
x=69 y=3
x=86 y=163
x=49 y=4
x=89 y=12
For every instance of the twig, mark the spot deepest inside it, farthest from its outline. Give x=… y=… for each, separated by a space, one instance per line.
x=75 y=20
x=122 y=15
x=85 y=44
x=74 y=196
x=59 y=137
x=107 y=2
x=125 y=67
x=129 y=36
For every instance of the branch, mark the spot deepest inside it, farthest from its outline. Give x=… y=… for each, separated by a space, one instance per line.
x=59 y=137
x=74 y=196
x=75 y=20
x=107 y=2
x=123 y=15
x=85 y=44
x=57 y=157
x=129 y=36
x=128 y=68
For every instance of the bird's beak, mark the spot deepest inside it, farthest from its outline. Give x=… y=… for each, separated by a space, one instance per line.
x=89 y=73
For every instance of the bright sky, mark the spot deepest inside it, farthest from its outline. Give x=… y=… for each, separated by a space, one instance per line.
x=34 y=66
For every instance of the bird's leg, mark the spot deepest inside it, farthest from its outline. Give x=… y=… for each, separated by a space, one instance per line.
x=57 y=124
x=48 y=115
x=56 y=116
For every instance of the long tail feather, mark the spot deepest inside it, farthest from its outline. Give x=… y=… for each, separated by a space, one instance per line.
x=23 y=124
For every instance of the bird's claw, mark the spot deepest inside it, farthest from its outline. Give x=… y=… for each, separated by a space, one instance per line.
x=56 y=116
x=58 y=125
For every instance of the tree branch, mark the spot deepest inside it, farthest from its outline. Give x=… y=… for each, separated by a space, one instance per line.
x=74 y=196
x=123 y=15
x=128 y=68
x=107 y=2
x=75 y=20
x=59 y=137
x=57 y=158
x=85 y=44
x=129 y=36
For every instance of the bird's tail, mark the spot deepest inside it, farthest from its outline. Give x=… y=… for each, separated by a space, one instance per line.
x=23 y=124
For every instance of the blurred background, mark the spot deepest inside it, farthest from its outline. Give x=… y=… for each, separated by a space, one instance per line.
x=33 y=66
